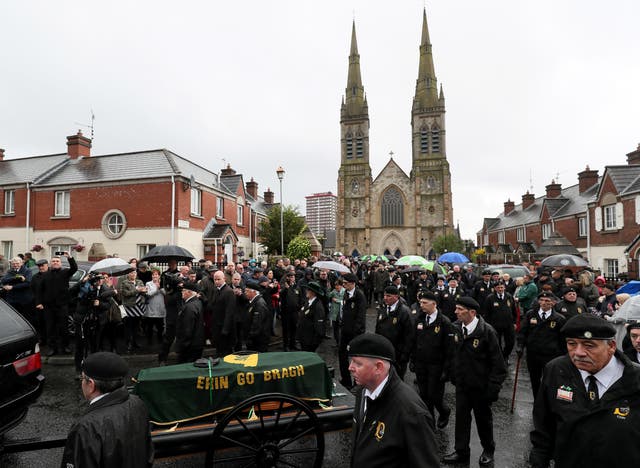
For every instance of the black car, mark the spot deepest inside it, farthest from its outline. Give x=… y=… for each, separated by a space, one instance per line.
x=21 y=380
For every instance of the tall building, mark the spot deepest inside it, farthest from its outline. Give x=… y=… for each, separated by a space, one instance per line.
x=321 y=213
x=394 y=213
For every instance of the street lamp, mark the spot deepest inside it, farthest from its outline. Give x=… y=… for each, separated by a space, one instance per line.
x=280 y=172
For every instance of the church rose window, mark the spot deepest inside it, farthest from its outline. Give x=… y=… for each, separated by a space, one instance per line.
x=392 y=208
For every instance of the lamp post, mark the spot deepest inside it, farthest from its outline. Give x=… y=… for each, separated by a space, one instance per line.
x=280 y=173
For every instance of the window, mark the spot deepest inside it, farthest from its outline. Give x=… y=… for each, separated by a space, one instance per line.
x=611 y=267
x=501 y=237
x=609 y=217
x=143 y=249
x=349 y=146
x=196 y=201
x=582 y=227
x=431 y=183
x=114 y=224
x=435 y=140
x=240 y=220
x=9 y=202
x=546 y=231
x=359 y=146
x=62 y=203
x=520 y=235
x=392 y=208
x=220 y=207
x=424 y=140
x=7 y=249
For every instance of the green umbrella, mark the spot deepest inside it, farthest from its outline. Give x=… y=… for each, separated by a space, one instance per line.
x=374 y=258
x=411 y=260
x=434 y=267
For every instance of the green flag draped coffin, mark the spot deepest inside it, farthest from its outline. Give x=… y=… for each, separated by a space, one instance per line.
x=184 y=392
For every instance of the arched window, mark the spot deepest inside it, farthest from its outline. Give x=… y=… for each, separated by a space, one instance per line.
x=392 y=208
x=424 y=140
x=349 y=145
x=435 y=139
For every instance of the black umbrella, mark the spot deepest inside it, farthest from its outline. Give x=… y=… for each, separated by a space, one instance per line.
x=564 y=260
x=164 y=253
x=411 y=269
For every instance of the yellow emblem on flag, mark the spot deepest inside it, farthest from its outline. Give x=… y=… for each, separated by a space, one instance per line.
x=248 y=360
x=380 y=431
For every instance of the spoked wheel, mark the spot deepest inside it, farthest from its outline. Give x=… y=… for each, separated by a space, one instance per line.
x=268 y=431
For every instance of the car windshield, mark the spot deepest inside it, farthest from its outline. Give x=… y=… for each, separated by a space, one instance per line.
x=11 y=324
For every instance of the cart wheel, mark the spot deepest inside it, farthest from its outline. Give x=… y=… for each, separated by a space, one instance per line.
x=268 y=431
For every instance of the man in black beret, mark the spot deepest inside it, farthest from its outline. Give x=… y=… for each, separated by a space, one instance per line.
x=259 y=318
x=540 y=334
x=570 y=304
x=115 y=429
x=393 y=321
x=500 y=312
x=310 y=330
x=190 y=325
x=291 y=301
x=352 y=323
x=478 y=373
x=392 y=427
x=483 y=288
x=587 y=413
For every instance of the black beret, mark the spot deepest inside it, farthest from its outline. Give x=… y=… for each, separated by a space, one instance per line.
x=263 y=279
x=391 y=290
x=258 y=270
x=350 y=278
x=548 y=295
x=316 y=288
x=212 y=269
x=105 y=366
x=468 y=302
x=423 y=272
x=495 y=272
x=371 y=345
x=190 y=286
x=568 y=289
x=428 y=295
x=633 y=325
x=254 y=285
x=486 y=272
x=588 y=327
x=291 y=273
x=42 y=262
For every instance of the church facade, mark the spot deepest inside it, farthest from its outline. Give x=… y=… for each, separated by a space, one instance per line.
x=394 y=213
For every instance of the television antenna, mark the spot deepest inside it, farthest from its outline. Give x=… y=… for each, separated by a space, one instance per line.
x=93 y=118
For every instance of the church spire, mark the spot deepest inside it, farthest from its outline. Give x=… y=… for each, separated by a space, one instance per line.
x=355 y=102
x=426 y=85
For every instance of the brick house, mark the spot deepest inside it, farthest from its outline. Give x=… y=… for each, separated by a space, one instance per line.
x=599 y=216
x=125 y=204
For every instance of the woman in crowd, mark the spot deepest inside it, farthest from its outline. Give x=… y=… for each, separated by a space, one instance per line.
x=155 y=313
x=132 y=293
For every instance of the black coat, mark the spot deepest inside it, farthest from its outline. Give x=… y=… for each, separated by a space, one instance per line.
x=567 y=430
x=259 y=324
x=310 y=331
x=432 y=344
x=632 y=354
x=542 y=337
x=20 y=282
x=478 y=363
x=397 y=328
x=114 y=432
x=447 y=302
x=190 y=327
x=223 y=307
x=291 y=300
x=354 y=311
x=55 y=287
x=481 y=291
x=397 y=430
x=500 y=313
x=569 y=309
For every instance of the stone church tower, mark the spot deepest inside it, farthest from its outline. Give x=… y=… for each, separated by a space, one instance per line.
x=396 y=213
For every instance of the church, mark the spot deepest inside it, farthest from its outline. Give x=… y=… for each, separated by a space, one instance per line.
x=394 y=213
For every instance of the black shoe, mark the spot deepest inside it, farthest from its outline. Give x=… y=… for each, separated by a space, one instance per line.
x=443 y=420
x=486 y=458
x=455 y=457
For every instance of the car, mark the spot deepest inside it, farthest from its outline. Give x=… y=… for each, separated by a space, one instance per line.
x=514 y=271
x=20 y=367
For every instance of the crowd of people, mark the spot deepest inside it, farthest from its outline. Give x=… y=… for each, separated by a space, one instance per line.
x=460 y=327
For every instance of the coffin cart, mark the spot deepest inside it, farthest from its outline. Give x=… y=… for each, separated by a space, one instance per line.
x=246 y=410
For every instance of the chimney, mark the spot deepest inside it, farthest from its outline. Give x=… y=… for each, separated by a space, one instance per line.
x=508 y=207
x=252 y=188
x=227 y=171
x=587 y=179
x=78 y=145
x=553 y=190
x=634 y=157
x=1 y=154
x=268 y=197
x=527 y=200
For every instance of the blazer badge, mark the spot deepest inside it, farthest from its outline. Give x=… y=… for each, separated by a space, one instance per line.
x=437 y=329
x=475 y=343
x=379 y=431
x=552 y=324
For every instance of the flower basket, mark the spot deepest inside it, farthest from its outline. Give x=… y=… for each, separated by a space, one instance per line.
x=36 y=248
x=78 y=248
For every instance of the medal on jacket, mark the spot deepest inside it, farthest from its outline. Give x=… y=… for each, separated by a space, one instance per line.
x=476 y=342
x=420 y=326
x=379 y=431
x=622 y=412
x=533 y=321
x=495 y=304
x=564 y=393
x=436 y=329
x=552 y=324
x=395 y=320
x=508 y=303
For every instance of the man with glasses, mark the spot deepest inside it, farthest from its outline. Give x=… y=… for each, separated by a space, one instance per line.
x=114 y=431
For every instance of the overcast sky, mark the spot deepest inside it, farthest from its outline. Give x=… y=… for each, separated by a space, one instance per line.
x=533 y=89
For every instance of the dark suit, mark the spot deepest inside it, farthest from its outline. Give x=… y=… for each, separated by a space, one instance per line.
x=501 y=314
x=260 y=325
x=447 y=302
x=223 y=321
x=396 y=326
x=352 y=324
x=311 y=325
x=190 y=331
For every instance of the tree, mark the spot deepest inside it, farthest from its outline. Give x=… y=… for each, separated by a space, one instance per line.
x=269 y=230
x=299 y=247
x=447 y=243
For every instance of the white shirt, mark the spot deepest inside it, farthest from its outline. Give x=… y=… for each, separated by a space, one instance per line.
x=310 y=301
x=544 y=315
x=351 y=293
x=98 y=398
x=432 y=318
x=472 y=325
x=375 y=394
x=606 y=376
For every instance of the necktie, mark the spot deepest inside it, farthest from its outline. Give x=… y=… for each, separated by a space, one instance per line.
x=465 y=333
x=501 y=297
x=428 y=319
x=592 y=390
x=366 y=401
x=451 y=291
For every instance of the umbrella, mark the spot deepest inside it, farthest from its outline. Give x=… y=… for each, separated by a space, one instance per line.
x=374 y=258
x=391 y=258
x=163 y=253
x=111 y=266
x=627 y=313
x=435 y=267
x=411 y=269
x=329 y=265
x=564 y=260
x=411 y=260
x=453 y=257
x=632 y=288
